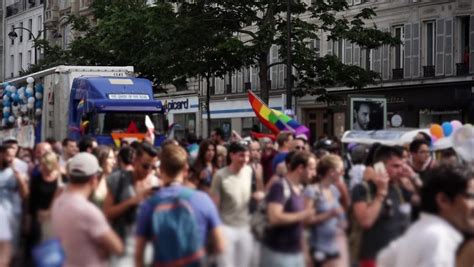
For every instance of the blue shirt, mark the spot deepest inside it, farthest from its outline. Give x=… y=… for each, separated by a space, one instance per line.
x=204 y=209
x=323 y=234
x=279 y=158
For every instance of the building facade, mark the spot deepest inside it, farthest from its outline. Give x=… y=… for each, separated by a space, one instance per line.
x=427 y=79
x=56 y=12
x=23 y=23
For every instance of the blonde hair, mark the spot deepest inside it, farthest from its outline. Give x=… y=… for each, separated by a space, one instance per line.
x=50 y=161
x=173 y=160
x=328 y=162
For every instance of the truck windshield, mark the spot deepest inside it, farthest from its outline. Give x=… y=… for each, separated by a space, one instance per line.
x=123 y=122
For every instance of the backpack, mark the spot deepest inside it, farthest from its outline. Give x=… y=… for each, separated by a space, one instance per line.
x=356 y=230
x=177 y=240
x=259 y=220
x=49 y=253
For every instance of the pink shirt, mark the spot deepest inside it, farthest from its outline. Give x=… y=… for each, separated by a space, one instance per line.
x=78 y=224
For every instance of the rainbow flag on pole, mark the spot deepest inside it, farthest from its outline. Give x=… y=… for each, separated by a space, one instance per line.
x=273 y=119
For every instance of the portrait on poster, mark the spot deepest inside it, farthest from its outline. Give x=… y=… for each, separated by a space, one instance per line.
x=368 y=113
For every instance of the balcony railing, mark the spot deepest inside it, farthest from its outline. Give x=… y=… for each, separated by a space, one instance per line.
x=462 y=69
x=428 y=71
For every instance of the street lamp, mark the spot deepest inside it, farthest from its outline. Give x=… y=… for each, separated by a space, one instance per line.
x=289 y=77
x=12 y=35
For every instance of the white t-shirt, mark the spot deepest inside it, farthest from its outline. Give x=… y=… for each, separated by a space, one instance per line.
x=234 y=190
x=429 y=242
x=10 y=204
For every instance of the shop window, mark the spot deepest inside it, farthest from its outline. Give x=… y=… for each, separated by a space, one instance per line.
x=187 y=122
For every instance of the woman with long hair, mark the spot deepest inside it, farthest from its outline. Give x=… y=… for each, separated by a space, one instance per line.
x=43 y=188
x=205 y=165
x=107 y=161
x=328 y=224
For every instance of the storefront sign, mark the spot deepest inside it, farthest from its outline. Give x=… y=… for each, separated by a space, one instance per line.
x=176 y=105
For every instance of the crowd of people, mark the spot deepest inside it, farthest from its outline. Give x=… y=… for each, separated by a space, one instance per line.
x=241 y=202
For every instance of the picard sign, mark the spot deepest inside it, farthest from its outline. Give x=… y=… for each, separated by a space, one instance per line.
x=176 y=105
x=128 y=97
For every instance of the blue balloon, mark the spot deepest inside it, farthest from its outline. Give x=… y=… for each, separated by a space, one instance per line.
x=7 y=103
x=8 y=93
x=39 y=104
x=447 y=128
x=6 y=115
x=16 y=98
x=39 y=88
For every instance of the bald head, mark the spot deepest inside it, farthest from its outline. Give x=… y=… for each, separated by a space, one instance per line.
x=42 y=148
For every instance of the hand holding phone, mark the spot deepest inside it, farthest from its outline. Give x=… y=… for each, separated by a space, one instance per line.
x=379 y=168
x=382 y=178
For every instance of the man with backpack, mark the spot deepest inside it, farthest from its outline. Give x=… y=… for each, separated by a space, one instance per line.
x=283 y=240
x=179 y=221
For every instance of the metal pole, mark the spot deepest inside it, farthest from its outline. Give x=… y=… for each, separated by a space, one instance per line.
x=289 y=79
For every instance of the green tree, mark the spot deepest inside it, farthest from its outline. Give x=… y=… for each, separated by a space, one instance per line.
x=197 y=44
x=263 y=24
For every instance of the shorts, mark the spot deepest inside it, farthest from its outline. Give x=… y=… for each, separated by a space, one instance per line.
x=320 y=257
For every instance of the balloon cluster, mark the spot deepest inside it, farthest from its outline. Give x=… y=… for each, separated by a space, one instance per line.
x=19 y=104
x=444 y=130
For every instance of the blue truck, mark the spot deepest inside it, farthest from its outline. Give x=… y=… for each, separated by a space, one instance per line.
x=107 y=103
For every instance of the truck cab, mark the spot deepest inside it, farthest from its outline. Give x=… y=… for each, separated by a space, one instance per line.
x=105 y=107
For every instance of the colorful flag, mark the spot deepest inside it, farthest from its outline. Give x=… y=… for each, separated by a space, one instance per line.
x=273 y=119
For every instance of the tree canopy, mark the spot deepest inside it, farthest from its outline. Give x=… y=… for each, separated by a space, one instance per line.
x=171 y=41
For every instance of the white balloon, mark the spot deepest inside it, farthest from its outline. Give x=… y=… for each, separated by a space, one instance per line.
x=21 y=90
x=8 y=88
x=26 y=119
x=11 y=119
x=29 y=91
x=463 y=142
x=12 y=89
x=30 y=86
x=6 y=109
x=38 y=111
x=24 y=108
x=30 y=105
x=5 y=97
x=39 y=95
x=30 y=80
x=31 y=100
x=21 y=95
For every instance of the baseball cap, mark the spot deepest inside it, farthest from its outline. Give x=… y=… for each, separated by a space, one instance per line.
x=10 y=140
x=83 y=164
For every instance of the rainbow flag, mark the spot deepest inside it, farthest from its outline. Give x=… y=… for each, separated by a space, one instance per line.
x=273 y=119
x=80 y=106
